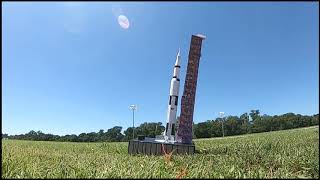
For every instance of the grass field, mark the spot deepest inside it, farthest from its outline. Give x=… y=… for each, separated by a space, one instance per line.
x=281 y=154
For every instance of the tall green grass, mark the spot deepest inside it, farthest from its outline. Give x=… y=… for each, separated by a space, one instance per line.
x=282 y=154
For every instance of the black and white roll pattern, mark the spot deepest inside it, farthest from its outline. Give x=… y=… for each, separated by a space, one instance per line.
x=173 y=99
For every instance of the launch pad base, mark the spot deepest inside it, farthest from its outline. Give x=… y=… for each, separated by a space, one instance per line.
x=149 y=146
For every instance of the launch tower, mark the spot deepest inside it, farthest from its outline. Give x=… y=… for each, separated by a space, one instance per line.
x=180 y=141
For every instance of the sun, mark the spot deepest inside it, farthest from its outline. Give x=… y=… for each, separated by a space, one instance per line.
x=123 y=21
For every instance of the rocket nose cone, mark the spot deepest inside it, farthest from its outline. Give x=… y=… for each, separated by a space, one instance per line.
x=178 y=58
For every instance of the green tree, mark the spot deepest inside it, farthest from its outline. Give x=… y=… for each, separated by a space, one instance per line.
x=232 y=125
x=202 y=130
x=315 y=120
x=245 y=123
x=150 y=129
x=4 y=136
x=255 y=115
x=114 y=134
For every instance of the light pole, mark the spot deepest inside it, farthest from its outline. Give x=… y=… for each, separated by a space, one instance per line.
x=221 y=114
x=133 y=108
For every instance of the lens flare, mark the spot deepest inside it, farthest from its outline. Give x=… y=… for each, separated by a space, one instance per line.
x=123 y=21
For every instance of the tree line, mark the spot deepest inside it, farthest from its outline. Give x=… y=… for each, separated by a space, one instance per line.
x=247 y=123
x=111 y=135
x=252 y=122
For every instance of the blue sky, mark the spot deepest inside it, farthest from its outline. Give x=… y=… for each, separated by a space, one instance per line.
x=69 y=67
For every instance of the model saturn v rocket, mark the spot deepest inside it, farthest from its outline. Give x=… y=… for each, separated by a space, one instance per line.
x=173 y=101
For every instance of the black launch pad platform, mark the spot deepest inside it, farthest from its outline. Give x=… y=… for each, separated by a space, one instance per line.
x=149 y=146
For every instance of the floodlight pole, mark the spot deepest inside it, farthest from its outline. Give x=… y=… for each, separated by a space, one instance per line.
x=222 y=113
x=222 y=128
x=133 y=107
x=133 y=121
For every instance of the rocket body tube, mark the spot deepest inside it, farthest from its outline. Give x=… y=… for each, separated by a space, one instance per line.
x=173 y=99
